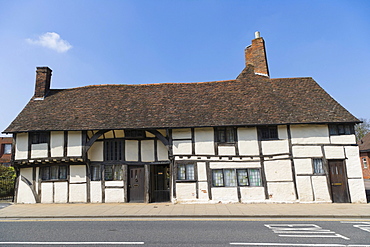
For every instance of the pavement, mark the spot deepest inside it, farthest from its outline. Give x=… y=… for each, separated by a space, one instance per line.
x=169 y=210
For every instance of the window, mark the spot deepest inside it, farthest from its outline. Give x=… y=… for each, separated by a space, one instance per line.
x=318 y=167
x=236 y=177
x=364 y=161
x=225 y=134
x=185 y=172
x=341 y=129
x=268 y=133
x=57 y=172
x=95 y=172
x=39 y=137
x=113 y=150
x=7 y=148
x=135 y=133
x=113 y=172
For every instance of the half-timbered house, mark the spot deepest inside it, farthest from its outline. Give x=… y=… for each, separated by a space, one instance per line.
x=249 y=139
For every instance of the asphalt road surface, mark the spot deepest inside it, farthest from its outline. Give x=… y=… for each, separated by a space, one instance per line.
x=184 y=232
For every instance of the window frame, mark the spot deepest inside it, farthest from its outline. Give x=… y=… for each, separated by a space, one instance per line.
x=49 y=174
x=316 y=171
x=186 y=165
x=115 y=168
x=271 y=131
x=229 y=135
x=236 y=177
x=135 y=133
x=5 y=145
x=98 y=173
x=114 y=150
x=39 y=137
x=341 y=129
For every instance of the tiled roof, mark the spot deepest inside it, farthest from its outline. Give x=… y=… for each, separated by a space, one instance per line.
x=248 y=100
x=364 y=143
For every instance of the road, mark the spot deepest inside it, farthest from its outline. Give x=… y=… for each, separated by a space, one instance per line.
x=184 y=232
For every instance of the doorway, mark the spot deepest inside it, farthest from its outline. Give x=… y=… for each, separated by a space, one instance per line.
x=338 y=181
x=136 y=183
x=160 y=183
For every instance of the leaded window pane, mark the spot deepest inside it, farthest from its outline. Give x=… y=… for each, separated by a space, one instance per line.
x=95 y=173
x=217 y=178
x=54 y=172
x=242 y=177
x=318 y=166
x=229 y=177
x=181 y=174
x=63 y=172
x=118 y=174
x=108 y=173
x=45 y=173
x=254 y=177
x=189 y=172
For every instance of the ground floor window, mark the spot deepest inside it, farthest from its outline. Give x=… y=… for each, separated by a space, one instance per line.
x=95 y=172
x=57 y=172
x=318 y=167
x=236 y=177
x=113 y=172
x=185 y=172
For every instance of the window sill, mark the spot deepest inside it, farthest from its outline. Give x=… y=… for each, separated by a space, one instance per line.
x=186 y=181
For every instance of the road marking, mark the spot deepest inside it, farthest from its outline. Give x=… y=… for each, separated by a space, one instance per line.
x=303 y=245
x=72 y=243
x=303 y=231
x=365 y=226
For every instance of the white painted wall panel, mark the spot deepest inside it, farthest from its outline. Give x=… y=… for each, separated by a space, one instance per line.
x=275 y=147
x=114 y=195
x=278 y=170
x=181 y=133
x=185 y=191
x=303 y=166
x=60 y=192
x=307 y=151
x=21 y=146
x=357 y=190
x=247 y=141
x=25 y=194
x=353 y=163
x=162 y=151
x=202 y=171
x=131 y=150
x=310 y=134
x=182 y=147
x=57 y=143
x=252 y=194
x=320 y=189
x=95 y=153
x=203 y=191
x=334 y=152
x=281 y=191
x=225 y=194
x=39 y=150
x=282 y=132
x=27 y=173
x=114 y=183
x=226 y=150
x=204 y=141
x=343 y=139
x=74 y=146
x=77 y=193
x=304 y=187
x=47 y=192
x=224 y=165
x=95 y=192
x=77 y=173
x=147 y=151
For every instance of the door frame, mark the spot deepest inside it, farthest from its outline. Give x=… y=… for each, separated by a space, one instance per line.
x=128 y=182
x=345 y=197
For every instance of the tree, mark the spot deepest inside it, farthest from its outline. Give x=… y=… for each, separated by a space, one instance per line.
x=362 y=129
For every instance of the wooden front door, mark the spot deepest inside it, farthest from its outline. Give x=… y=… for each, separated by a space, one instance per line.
x=160 y=183
x=136 y=183
x=338 y=181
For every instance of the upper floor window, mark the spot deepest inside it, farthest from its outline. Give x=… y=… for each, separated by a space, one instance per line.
x=225 y=134
x=39 y=137
x=341 y=129
x=268 y=133
x=7 y=148
x=185 y=172
x=236 y=177
x=135 y=133
x=113 y=150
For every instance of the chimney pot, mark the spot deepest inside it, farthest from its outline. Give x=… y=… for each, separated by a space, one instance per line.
x=43 y=78
x=257 y=35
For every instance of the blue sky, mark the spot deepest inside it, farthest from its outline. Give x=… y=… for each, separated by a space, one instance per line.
x=89 y=42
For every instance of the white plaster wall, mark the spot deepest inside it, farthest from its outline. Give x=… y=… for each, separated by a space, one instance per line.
x=60 y=192
x=203 y=191
x=95 y=192
x=357 y=190
x=281 y=191
x=310 y=134
x=185 y=191
x=225 y=165
x=162 y=151
x=334 y=152
x=77 y=173
x=225 y=194
x=204 y=141
x=182 y=147
x=57 y=143
x=47 y=192
x=74 y=147
x=181 y=133
x=278 y=170
x=307 y=151
x=320 y=188
x=202 y=171
x=113 y=183
x=275 y=147
x=25 y=194
x=247 y=141
x=343 y=139
x=303 y=166
x=39 y=150
x=95 y=153
x=114 y=195
x=147 y=150
x=109 y=135
x=131 y=150
x=27 y=173
x=304 y=187
x=77 y=193
x=353 y=163
x=226 y=150
x=282 y=132
x=252 y=194
x=21 y=146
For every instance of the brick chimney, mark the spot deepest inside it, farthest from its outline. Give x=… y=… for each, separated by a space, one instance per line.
x=43 y=77
x=255 y=54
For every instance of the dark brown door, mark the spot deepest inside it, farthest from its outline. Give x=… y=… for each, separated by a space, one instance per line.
x=136 y=179
x=338 y=181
